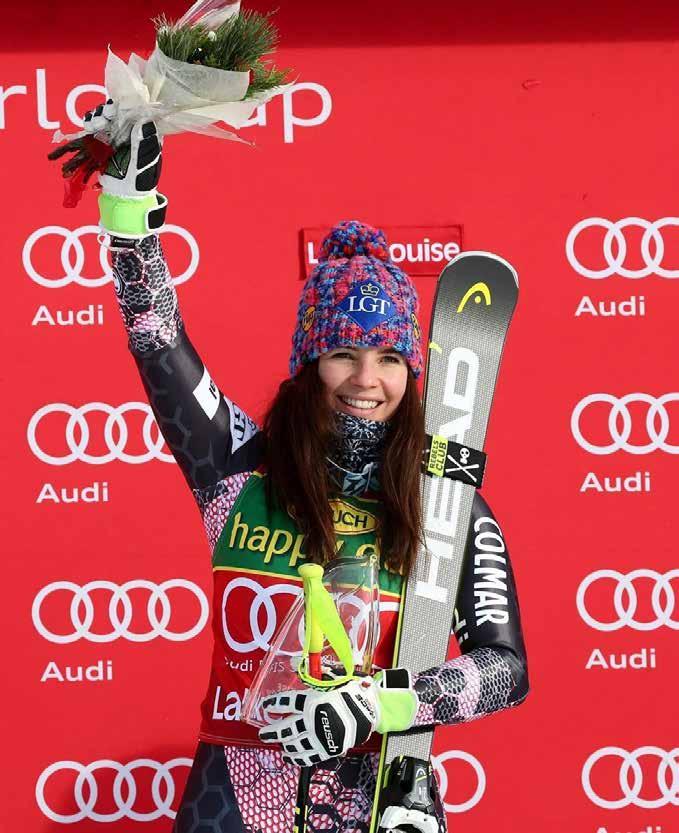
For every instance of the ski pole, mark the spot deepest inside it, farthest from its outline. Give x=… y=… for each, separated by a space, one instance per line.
x=312 y=581
x=312 y=578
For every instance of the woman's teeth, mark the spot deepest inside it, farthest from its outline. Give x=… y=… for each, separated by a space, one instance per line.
x=363 y=404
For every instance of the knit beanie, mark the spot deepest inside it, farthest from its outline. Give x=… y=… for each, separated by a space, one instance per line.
x=356 y=297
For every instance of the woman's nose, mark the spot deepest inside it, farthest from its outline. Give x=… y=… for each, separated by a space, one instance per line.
x=364 y=374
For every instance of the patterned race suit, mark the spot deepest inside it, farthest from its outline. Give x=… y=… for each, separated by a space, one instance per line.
x=236 y=783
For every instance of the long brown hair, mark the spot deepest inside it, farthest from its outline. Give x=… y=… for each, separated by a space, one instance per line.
x=298 y=431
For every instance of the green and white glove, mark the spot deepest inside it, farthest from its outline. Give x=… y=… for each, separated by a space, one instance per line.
x=320 y=725
x=129 y=204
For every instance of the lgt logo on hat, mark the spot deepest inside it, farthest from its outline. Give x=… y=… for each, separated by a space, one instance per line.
x=368 y=304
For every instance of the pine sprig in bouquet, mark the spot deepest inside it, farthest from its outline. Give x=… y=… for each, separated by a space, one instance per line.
x=240 y=43
x=208 y=67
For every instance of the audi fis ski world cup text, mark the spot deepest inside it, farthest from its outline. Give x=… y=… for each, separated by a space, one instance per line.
x=46 y=106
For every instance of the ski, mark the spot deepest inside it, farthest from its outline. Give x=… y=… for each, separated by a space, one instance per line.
x=475 y=298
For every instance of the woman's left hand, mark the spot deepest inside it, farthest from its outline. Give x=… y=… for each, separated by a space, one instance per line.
x=320 y=725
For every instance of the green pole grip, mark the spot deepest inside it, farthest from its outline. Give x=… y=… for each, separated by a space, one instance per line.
x=312 y=578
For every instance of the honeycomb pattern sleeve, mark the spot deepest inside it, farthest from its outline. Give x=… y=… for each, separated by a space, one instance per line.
x=146 y=295
x=209 y=435
x=491 y=674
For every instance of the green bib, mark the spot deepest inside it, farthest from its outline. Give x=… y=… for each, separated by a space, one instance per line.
x=264 y=539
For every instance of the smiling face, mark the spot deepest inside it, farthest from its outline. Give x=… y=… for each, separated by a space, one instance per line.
x=364 y=381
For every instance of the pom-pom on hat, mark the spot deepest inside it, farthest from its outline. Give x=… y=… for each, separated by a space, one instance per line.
x=356 y=297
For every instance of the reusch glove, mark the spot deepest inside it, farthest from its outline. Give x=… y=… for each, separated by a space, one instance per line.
x=129 y=203
x=326 y=724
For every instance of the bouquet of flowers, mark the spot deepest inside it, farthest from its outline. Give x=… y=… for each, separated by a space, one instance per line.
x=207 y=67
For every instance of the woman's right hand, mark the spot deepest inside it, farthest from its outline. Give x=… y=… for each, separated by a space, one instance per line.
x=129 y=204
x=134 y=169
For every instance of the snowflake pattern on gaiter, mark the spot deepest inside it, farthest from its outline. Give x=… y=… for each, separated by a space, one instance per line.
x=354 y=458
x=358 y=441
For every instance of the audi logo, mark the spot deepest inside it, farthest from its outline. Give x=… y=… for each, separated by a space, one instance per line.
x=263 y=597
x=163 y=790
x=631 y=792
x=116 y=448
x=657 y=423
x=81 y=610
x=652 y=232
x=73 y=255
x=625 y=599
x=264 y=627
x=439 y=762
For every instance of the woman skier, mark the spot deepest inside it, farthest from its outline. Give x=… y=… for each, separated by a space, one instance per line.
x=335 y=468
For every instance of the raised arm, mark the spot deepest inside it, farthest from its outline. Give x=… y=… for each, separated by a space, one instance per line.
x=209 y=436
x=206 y=432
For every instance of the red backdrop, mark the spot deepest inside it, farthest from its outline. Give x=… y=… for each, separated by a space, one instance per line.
x=551 y=142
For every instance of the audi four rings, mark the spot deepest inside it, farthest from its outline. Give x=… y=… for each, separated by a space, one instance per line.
x=631 y=792
x=123 y=797
x=439 y=762
x=619 y=413
x=652 y=232
x=116 y=448
x=163 y=789
x=262 y=629
x=81 y=610
x=73 y=256
x=625 y=599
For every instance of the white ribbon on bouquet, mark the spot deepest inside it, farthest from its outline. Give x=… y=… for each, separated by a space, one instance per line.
x=180 y=97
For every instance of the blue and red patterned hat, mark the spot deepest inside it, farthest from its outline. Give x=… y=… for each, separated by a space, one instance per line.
x=356 y=297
